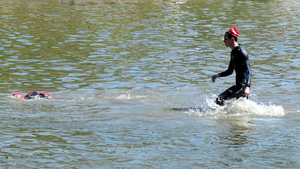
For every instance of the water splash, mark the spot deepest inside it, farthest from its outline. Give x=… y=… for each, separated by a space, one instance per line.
x=239 y=107
x=247 y=106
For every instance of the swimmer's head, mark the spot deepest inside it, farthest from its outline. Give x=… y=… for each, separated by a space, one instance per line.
x=18 y=95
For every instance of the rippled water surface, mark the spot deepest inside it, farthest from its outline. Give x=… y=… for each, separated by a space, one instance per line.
x=115 y=68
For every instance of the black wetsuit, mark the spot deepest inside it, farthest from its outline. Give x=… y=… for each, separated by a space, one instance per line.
x=37 y=95
x=240 y=63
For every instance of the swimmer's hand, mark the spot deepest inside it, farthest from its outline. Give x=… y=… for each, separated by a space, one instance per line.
x=214 y=77
x=246 y=92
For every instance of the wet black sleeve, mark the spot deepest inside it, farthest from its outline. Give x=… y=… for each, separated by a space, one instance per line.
x=229 y=71
x=244 y=68
x=248 y=73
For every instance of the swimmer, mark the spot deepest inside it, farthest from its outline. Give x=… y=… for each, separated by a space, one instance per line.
x=239 y=63
x=33 y=95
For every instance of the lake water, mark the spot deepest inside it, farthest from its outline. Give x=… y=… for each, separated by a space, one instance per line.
x=116 y=67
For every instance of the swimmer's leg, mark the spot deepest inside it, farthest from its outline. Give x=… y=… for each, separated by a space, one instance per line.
x=230 y=93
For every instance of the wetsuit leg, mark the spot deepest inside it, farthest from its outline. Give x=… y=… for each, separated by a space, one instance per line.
x=230 y=93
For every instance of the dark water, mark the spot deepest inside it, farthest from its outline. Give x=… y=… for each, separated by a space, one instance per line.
x=115 y=68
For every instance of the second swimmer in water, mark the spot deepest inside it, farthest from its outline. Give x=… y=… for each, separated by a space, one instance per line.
x=33 y=95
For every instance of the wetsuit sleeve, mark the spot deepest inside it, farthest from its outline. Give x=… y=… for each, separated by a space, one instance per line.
x=248 y=74
x=229 y=71
x=247 y=68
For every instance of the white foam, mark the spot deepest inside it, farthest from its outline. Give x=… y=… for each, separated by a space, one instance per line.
x=248 y=106
x=124 y=97
x=239 y=107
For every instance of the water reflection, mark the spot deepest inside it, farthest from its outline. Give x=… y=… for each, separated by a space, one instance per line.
x=237 y=133
x=239 y=137
x=234 y=140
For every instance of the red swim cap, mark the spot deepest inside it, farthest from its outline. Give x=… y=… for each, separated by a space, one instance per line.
x=18 y=95
x=234 y=31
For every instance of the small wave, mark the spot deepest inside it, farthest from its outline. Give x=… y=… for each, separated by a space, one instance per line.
x=124 y=96
x=128 y=97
